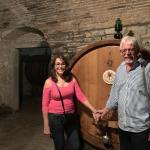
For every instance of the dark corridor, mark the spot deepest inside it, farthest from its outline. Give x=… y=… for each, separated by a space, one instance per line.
x=34 y=68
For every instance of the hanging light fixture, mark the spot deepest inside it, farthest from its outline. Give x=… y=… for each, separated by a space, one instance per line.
x=118 y=29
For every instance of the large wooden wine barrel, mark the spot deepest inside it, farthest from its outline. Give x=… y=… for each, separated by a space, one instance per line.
x=94 y=66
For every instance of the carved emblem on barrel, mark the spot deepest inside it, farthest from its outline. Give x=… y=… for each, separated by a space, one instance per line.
x=109 y=76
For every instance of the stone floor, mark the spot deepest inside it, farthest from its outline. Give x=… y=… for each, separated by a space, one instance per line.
x=23 y=130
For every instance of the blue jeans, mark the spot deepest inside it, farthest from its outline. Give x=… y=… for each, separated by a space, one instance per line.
x=69 y=124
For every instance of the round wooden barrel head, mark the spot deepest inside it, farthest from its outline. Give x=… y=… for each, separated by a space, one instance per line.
x=95 y=72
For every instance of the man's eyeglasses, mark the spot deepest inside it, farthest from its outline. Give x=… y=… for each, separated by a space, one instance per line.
x=130 y=50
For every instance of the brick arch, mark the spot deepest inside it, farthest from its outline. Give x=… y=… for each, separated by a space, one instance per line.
x=18 y=32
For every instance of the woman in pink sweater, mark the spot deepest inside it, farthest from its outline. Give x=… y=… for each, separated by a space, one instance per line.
x=59 y=113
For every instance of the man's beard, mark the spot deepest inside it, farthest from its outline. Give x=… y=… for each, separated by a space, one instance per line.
x=129 y=60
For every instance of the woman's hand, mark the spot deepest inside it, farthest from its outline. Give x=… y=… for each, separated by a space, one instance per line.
x=46 y=129
x=96 y=116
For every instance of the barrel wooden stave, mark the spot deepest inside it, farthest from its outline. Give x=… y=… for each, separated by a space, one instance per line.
x=89 y=69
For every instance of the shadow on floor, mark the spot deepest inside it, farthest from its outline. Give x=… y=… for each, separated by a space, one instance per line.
x=23 y=130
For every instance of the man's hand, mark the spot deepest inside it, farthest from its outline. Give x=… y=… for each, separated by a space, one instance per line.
x=103 y=112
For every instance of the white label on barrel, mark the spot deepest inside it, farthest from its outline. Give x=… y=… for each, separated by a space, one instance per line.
x=109 y=76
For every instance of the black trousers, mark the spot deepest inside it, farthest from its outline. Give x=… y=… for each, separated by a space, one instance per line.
x=134 y=141
x=68 y=124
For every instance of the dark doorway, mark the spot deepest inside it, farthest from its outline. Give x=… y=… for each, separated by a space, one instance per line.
x=33 y=71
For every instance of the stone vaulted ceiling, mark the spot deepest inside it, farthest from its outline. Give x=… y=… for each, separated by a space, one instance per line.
x=45 y=16
x=33 y=13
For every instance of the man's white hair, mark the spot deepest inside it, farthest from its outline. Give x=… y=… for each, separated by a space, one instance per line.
x=133 y=40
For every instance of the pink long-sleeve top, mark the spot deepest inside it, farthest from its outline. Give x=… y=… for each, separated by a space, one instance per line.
x=51 y=101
